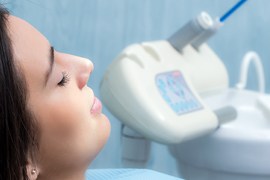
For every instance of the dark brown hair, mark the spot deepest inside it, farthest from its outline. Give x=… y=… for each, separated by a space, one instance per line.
x=17 y=128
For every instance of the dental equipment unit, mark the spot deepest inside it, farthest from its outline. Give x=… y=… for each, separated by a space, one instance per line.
x=155 y=88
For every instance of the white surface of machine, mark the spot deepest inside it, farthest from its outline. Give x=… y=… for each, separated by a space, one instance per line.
x=154 y=87
x=239 y=150
x=176 y=91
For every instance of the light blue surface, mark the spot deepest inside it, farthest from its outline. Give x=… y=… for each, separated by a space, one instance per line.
x=100 y=29
x=127 y=174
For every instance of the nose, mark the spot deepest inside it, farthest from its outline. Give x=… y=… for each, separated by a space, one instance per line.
x=85 y=67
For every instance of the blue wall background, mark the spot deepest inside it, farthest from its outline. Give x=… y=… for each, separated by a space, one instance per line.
x=100 y=29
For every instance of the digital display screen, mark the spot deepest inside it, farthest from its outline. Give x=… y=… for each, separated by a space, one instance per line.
x=174 y=90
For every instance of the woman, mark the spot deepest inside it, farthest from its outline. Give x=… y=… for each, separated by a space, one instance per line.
x=51 y=123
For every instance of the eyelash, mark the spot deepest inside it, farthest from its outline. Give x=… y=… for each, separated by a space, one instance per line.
x=64 y=80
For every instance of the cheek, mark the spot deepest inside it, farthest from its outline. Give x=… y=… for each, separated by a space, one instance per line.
x=67 y=127
x=65 y=117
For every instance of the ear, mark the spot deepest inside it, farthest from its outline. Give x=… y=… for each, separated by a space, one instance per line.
x=32 y=170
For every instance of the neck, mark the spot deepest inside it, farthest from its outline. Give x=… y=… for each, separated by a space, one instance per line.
x=73 y=174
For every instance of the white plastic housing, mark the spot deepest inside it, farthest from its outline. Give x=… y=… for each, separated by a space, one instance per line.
x=130 y=93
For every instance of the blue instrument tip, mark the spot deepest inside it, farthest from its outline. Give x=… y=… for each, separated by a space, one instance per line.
x=232 y=10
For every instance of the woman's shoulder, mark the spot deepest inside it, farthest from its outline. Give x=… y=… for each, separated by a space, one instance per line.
x=126 y=174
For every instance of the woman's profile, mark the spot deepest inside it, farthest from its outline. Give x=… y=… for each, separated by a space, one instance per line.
x=51 y=123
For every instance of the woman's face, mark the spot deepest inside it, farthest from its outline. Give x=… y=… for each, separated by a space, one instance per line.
x=72 y=128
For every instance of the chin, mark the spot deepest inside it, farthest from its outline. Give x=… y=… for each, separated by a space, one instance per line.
x=104 y=130
x=106 y=125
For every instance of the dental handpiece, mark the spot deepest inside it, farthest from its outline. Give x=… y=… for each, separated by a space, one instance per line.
x=204 y=36
x=190 y=31
x=199 y=30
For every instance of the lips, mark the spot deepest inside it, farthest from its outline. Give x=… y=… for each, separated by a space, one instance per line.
x=96 y=107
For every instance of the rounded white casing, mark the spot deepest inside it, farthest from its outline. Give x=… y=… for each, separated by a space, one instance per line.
x=239 y=150
x=130 y=92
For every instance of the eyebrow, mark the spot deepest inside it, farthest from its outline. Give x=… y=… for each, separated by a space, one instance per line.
x=51 y=60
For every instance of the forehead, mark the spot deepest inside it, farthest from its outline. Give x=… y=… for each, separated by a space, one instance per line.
x=24 y=36
x=30 y=48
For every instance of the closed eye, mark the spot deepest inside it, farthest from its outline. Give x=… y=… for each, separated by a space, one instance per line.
x=65 y=79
